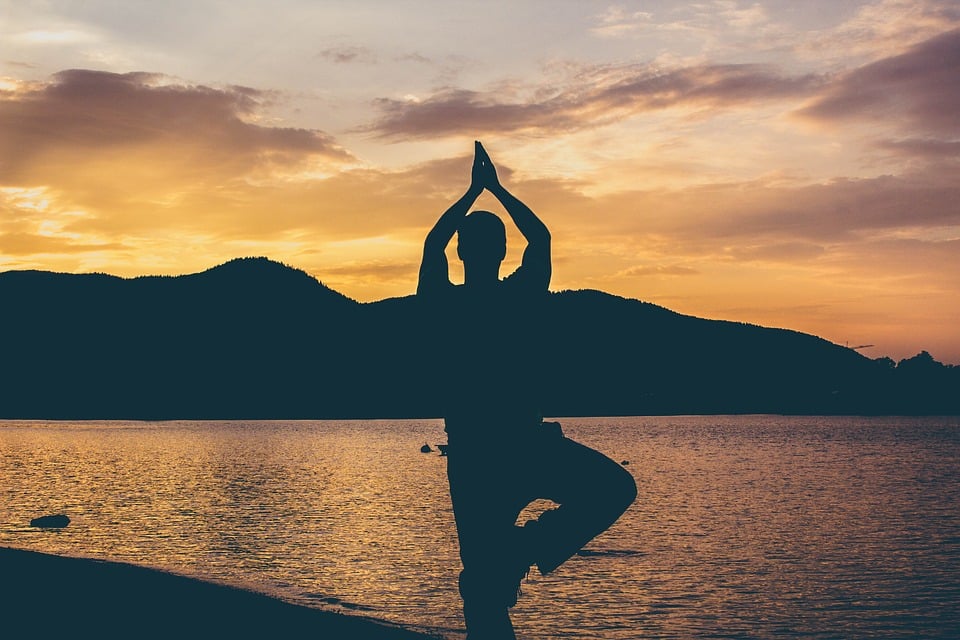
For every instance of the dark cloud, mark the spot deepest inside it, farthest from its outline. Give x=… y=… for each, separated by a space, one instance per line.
x=351 y=54
x=920 y=87
x=843 y=207
x=779 y=225
x=793 y=219
x=87 y=112
x=927 y=264
x=418 y=58
x=923 y=148
x=348 y=54
x=597 y=96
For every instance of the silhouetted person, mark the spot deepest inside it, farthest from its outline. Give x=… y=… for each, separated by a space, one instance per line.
x=501 y=455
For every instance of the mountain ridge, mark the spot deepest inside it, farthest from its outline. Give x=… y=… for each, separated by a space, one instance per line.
x=254 y=338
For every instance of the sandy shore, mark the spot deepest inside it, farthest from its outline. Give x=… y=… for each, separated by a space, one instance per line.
x=46 y=596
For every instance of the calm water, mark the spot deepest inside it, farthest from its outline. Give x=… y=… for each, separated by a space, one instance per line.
x=745 y=527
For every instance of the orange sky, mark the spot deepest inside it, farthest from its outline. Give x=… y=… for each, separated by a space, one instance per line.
x=784 y=164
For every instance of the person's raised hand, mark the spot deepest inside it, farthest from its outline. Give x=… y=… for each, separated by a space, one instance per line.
x=487 y=172
x=477 y=178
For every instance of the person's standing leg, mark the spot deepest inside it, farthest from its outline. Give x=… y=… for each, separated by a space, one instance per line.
x=486 y=503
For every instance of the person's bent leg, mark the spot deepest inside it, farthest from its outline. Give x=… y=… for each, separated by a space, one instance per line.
x=592 y=492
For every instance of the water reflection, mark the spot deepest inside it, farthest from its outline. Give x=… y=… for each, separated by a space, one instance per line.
x=745 y=527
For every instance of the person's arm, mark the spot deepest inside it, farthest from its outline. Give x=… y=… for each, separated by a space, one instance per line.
x=434 y=271
x=536 y=261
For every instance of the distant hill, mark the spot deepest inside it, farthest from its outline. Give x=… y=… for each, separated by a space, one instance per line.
x=253 y=338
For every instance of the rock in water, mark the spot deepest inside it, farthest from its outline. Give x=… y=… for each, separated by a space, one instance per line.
x=58 y=521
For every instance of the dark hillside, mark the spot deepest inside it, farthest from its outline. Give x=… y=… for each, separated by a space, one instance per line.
x=253 y=338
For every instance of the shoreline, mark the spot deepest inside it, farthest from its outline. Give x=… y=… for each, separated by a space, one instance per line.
x=48 y=595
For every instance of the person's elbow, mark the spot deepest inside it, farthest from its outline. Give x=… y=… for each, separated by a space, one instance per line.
x=540 y=238
x=432 y=244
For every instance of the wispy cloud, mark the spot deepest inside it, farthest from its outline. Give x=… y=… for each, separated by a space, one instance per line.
x=880 y=29
x=618 y=22
x=55 y=36
x=703 y=18
x=596 y=96
x=841 y=210
x=28 y=244
x=657 y=270
x=378 y=270
x=914 y=91
x=923 y=148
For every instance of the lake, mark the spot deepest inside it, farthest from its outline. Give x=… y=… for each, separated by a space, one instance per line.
x=744 y=527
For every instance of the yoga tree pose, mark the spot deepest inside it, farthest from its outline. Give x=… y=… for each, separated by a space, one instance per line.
x=501 y=455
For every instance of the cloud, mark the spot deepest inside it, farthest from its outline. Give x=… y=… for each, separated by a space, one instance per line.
x=917 y=85
x=596 y=96
x=418 y=58
x=349 y=54
x=18 y=64
x=881 y=29
x=379 y=270
x=81 y=115
x=57 y=37
x=917 y=88
x=703 y=20
x=25 y=244
x=790 y=251
x=657 y=270
x=835 y=211
x=922 y=147
x=617 y=22
x=761 y=239
x=92 y=163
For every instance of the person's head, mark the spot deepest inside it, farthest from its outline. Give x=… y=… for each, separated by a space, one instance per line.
x=481 y=239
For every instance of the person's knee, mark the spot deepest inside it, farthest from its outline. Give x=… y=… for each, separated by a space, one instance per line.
x=612 y=493
x=622 y=489
x=629 y=489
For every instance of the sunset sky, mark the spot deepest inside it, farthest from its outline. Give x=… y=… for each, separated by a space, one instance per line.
x=788 y=164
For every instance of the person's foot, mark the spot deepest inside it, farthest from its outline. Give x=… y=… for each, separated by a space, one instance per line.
x=498 y=582
x=488 y=625
x=515 y=579
x=519 y=561
x=485 y=613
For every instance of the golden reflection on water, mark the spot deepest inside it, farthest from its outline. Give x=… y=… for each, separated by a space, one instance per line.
x=753 y=526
